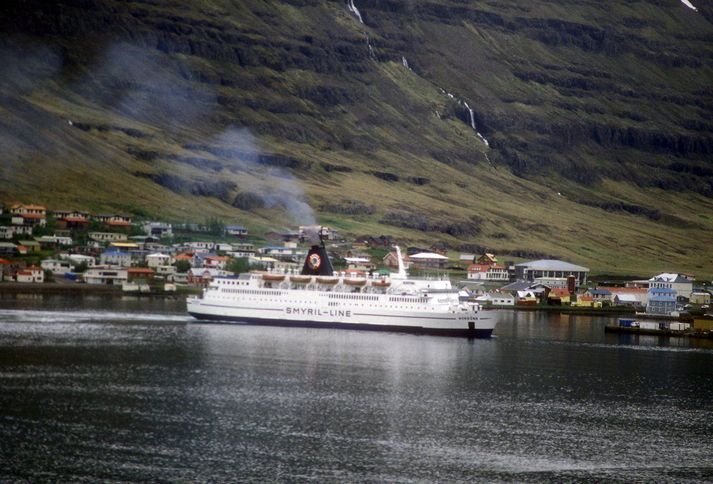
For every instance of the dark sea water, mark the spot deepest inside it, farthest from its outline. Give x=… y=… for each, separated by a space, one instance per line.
x=95 y=389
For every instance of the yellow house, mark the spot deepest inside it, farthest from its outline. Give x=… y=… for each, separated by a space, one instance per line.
x=560 y=294
x=586 y=302
x=700 y=298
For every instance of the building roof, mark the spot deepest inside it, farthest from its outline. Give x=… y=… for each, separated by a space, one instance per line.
x=29 y=207
x=124 y=245
x=139 y=270
x=428 y=255
x=516 y=286
x=671 y=277
x=627 y=297
x=552 y=265
x=625 y=290
x=559 y=292
x=200 y=271
x=599 y=292
x=31 y=215
x=76 y=219
x=29 y=243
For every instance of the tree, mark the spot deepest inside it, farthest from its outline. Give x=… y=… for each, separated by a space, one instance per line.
x=81 y=267
x=239 y=265
x=183 y=266
x=215 y=226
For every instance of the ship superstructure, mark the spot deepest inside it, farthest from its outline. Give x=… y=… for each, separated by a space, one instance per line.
x=320 y=297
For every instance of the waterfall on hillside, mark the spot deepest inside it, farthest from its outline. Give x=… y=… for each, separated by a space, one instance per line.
x=405 y=63
x=471 y=114
x=689 y=5
x=372 y=52
x=472 y=117
x=352 y=8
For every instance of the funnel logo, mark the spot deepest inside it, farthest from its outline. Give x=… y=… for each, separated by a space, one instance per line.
x=314 y=261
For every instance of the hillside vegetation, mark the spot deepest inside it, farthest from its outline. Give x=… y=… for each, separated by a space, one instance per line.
x=573 y=129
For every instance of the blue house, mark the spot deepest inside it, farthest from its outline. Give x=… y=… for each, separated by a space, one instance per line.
x=236 y=230
x=662 y=300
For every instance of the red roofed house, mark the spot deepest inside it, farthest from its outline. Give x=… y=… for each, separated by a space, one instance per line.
x=558 y=296
x=215 y=261
x=487 y=272
x=73 y=222
x=134 y=273
x=487 y=259
x=31 y=274
x=119 y=222
x=28 y=215
x=585 y=301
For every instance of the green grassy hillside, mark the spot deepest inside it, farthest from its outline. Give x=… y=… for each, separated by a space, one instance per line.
x=590 y=135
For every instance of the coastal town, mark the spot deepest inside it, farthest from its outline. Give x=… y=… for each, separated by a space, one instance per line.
x=69 y=247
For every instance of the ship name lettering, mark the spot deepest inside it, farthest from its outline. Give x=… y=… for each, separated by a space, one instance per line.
x=319 y=312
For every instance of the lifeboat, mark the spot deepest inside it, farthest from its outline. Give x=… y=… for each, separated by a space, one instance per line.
x=354 y=282
x=327 y=280
x=381 y=283
x=273 y=277
x=300 y=279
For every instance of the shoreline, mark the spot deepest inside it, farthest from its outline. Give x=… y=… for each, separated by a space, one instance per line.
x=58 y=288
x=567 y=310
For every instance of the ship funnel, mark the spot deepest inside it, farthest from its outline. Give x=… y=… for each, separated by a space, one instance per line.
x=317 y=262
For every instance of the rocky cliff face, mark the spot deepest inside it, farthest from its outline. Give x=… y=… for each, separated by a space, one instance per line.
x=489 y=123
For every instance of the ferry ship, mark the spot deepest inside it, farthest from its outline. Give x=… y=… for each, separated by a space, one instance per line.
x=320 y=297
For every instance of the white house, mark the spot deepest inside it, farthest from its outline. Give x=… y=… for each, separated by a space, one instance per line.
x=158 y=229
x=54 y=240
x=56 y=266
x=110 y=275
x=31 y=274
x=157 y=259
x=552 y=282
x=115 y=257
x=484 y=272
x=108 y=237
x=497 y=299
x=681 y=283
x=201 y=245
x=77 y=259
x=165 y=272
x=428 y=260
x=359 y=263
x=529 y=271
x=216 y=261
x=223 y=247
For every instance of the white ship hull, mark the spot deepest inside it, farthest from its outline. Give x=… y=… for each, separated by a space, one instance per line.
x=320 y=297
x=312 y=309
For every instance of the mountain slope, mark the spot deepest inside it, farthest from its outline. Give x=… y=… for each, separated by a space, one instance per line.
x=590 y=135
